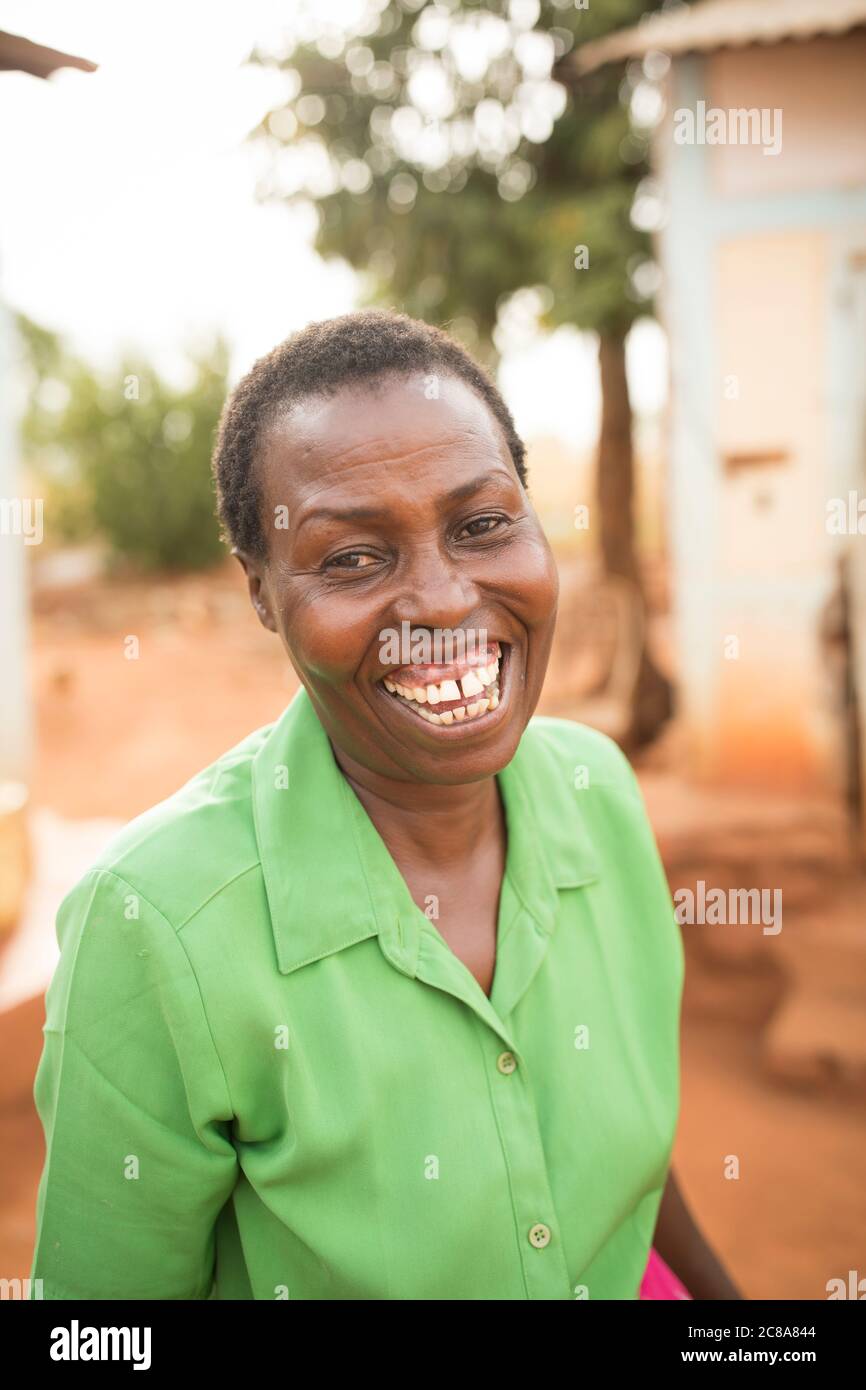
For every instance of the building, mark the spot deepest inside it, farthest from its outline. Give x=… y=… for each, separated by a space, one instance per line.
x=16 y=55
x=761 y=160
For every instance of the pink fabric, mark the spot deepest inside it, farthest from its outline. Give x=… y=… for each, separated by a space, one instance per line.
x=659 y=1280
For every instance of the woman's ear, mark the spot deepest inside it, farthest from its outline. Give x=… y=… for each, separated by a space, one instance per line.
x=258 y=589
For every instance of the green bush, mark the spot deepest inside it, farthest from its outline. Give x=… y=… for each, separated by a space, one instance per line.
x=126 y=455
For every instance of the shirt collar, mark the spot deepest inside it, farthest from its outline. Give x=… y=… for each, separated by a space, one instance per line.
x=329 y=878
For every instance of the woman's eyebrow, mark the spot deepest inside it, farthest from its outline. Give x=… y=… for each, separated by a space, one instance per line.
x=456 y=494
x=341 y=514
x=464 y=490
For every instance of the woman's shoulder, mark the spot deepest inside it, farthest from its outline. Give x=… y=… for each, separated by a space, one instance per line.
x=593 y=756
x=180 y=852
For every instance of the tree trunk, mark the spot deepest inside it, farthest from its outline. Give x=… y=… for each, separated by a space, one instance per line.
x=652 y=697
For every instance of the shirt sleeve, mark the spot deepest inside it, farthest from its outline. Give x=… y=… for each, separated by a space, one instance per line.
x=658 y=893
x=134 y=1105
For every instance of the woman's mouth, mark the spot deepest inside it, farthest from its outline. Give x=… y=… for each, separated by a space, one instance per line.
x=461 y=693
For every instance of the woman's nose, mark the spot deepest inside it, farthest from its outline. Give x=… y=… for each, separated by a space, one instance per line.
x=435 y=592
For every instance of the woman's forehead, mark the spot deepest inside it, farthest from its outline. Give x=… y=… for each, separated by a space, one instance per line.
x=397 y=421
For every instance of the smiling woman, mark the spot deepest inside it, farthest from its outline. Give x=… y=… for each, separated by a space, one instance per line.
x=385 y=1003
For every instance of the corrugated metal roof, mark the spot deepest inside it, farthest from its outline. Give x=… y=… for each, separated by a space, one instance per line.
x=713 y=24
x=22 y=55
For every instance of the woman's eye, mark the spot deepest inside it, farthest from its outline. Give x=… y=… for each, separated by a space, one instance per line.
x=351 y=560
x=485 y=523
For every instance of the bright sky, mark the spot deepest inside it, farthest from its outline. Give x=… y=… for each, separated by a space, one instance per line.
x=129 y=214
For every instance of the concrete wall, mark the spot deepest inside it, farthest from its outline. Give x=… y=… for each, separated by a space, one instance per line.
x=773 y=573
x=14 y=721
x=761 y=255
x=820 y=87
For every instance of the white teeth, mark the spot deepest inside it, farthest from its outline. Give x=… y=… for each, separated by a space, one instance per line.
x=470 y=683
x=463 y=712
x=478 y=681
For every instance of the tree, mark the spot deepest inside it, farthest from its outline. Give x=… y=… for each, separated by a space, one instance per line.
x=454 y=160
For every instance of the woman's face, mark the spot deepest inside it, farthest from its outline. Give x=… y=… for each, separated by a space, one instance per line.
x=389 y=511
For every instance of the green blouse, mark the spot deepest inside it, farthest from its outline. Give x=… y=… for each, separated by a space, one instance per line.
x=266 y=1075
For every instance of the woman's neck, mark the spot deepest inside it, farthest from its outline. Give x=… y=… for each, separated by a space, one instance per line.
x=430 y=823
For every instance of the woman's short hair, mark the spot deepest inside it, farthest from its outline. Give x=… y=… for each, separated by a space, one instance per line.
x=364 y=346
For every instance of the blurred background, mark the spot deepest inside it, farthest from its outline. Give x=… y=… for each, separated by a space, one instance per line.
x=675 y=310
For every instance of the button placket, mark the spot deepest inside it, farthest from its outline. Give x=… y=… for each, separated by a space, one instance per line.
x=544 y=1269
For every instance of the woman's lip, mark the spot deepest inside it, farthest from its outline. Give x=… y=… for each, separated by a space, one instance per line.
x=467 y=727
